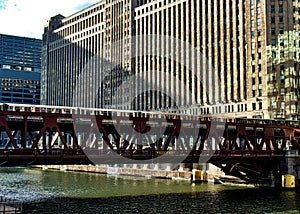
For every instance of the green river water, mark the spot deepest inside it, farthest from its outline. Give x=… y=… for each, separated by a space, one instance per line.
x=46 y=191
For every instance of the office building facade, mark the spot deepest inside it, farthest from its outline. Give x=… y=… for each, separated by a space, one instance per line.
x=233 y=57
x=282 y=50
x=94 y=67
x=20 y=69
x=213 y=76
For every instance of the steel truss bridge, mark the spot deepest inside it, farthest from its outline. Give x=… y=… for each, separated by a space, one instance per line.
x=248 y=148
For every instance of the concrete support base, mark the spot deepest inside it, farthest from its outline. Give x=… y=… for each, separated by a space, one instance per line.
x=167 y=171
x=291 y=165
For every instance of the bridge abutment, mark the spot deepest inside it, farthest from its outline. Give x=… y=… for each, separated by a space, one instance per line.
x=291 y=166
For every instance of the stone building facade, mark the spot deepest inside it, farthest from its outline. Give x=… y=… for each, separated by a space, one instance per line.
x=282 y=57
x=229 y=57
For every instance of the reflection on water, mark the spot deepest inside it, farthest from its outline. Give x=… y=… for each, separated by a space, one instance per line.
x=21 y=182
x=71 y=192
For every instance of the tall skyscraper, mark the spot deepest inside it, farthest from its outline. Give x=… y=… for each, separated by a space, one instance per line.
x=81 y=67
x=281 y=51
x=233 y=57
x=20 y=69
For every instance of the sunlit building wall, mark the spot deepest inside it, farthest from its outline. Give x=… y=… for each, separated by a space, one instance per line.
x=252 y=47
x=84 y=64
x=248 y=64
x=283 y=57
x=211 y=77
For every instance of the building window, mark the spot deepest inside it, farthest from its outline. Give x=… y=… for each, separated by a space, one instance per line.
x=273 y=42
x=273 y=20
x=281 y=30
x=6 y=66
x=281 y=41
x=280 y=8
x=280 y=18
x=258 y=22
x=272 y=8
x=282 y=67
x=258 y=10
x=259 y=44
x=258 y=33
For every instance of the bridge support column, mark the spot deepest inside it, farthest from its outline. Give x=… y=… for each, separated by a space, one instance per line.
x=185 y=167
x=209 y=171
x=79 y=139
x=291 y=165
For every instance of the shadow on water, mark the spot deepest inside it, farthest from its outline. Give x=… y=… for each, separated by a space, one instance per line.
x=225 y=201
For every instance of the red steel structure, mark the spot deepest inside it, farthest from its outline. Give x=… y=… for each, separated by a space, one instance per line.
x=249 y=148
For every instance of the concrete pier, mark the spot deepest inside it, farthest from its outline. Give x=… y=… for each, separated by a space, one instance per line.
x=291 y=167
x=165 y=171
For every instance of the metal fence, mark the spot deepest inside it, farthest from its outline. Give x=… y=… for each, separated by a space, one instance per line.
x=8 y=206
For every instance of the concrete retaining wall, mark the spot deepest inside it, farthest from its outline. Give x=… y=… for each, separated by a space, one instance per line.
x=165 y=171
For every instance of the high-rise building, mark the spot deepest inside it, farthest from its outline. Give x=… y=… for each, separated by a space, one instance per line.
x=208 y=71
x=281 y=51
x=233 y=57
x=81 y=67
x=20 y=69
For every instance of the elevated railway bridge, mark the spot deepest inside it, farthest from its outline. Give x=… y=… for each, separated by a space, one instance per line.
x=248 y=148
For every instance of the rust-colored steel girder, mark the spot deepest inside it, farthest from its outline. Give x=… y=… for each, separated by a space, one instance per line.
x=65 y=135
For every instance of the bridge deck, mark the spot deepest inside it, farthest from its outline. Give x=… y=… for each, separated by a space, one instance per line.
x=65 y=135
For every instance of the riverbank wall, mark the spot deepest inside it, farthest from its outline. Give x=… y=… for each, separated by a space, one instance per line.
x=164 y=171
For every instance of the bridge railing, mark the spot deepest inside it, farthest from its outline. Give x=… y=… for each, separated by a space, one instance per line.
x=142 y=114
